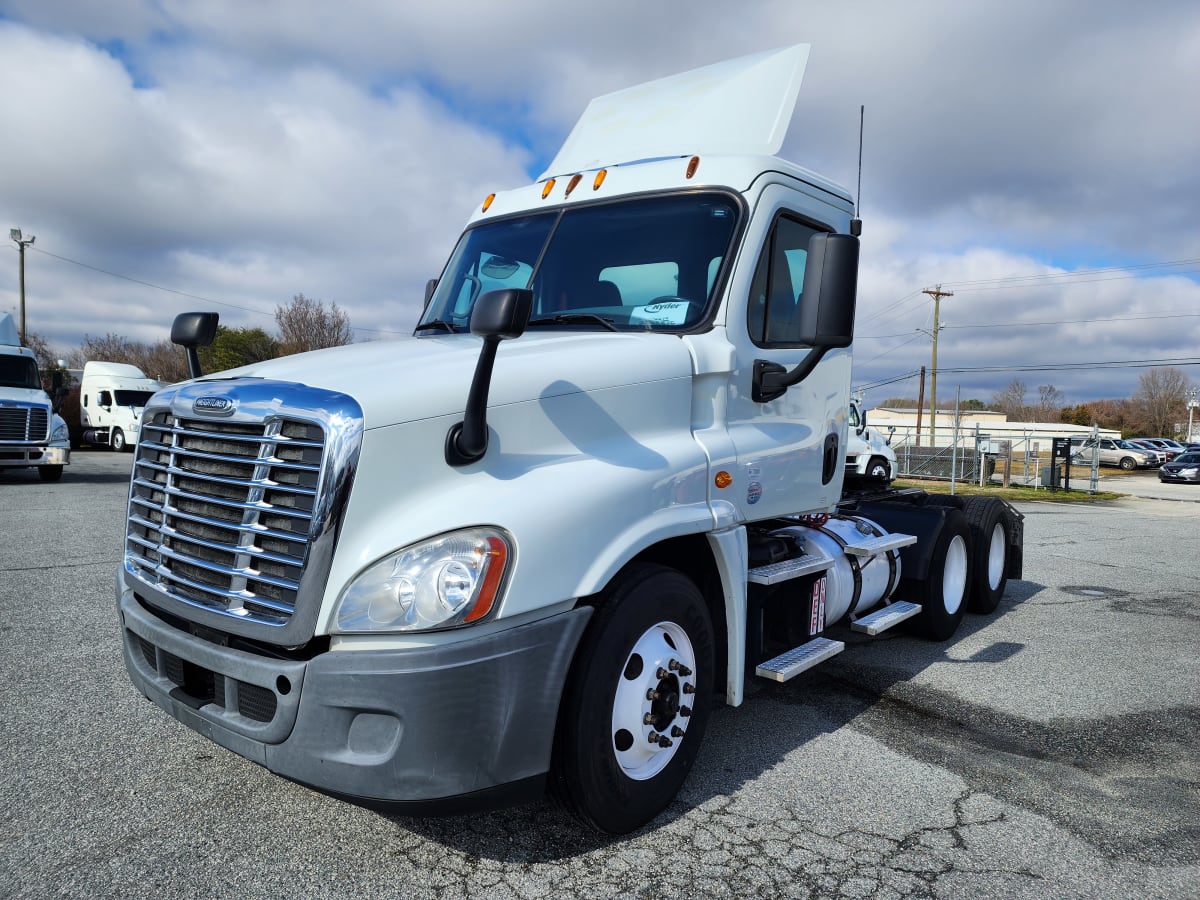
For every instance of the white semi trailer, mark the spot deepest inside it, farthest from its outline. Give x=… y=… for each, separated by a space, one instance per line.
x=439 y=574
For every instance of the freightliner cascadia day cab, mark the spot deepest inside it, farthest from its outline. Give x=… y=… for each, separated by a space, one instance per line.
x=599 y=488
x=31 y=432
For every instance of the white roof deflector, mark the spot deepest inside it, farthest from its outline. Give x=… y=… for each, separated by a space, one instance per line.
x=737 y=107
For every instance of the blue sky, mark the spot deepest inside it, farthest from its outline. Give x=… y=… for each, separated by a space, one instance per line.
x=230 y=155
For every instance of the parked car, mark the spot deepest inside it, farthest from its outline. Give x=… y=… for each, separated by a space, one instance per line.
x=1144 y=444
x=1185 y=468
x=1166 y=445
x=1116 y=453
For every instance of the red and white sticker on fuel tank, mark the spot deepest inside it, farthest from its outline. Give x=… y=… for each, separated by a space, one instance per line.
x=817 y=623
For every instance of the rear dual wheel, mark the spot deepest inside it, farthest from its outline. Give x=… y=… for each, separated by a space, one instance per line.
x=942 y=594
x=636 y=707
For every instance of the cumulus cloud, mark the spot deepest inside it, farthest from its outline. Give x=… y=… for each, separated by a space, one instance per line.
x=243 y=153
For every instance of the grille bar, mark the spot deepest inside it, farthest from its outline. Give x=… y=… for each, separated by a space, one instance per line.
x=236 y=482
x=257 y=530
x=183 y=453
x=251 y=505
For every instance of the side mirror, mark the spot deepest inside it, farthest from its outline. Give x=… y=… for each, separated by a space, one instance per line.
x=430 y=287
x=192 y=330
x=497 y=316
x=826 y=320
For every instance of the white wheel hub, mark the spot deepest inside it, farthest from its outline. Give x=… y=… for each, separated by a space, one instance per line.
x=996 y=555
x=954 y=574
x=653 y=702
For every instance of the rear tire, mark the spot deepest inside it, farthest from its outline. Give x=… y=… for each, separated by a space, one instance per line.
x=990 y=532
x=646 y=657
x=943 y=592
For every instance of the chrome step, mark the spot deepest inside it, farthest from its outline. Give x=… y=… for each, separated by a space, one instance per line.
x=789 y=568
x=885 y=618
x=882 y=544
x=793 y=662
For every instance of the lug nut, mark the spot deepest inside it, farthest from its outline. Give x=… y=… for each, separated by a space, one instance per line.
x=651 y=694
x=648 y=719
x=676 y=666
x=689 y=689
x=685 y=711
x=676 y=731
x=665 y=742
x=661 y=673
x=653 y=737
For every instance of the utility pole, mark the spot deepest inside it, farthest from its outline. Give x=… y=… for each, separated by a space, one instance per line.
x=22 y=242
x=1191 y=408
x=937 y=294
x=920 y=405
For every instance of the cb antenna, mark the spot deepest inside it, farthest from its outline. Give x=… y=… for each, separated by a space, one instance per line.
x=856 y=222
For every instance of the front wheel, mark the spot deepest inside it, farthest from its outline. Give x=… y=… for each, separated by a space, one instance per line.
x=118 y=440
x=634 y=713
x=878 y=469
x=1128 y=463
x=50 y=473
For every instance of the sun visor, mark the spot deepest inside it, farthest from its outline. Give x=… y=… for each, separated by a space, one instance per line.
x=737 y=107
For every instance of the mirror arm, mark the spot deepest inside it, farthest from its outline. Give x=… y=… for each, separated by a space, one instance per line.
x=467 y=441
x=772 y=380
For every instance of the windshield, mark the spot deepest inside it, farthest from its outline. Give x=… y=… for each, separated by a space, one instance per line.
x=133 y=398
x=19 y=372
x=646 y=264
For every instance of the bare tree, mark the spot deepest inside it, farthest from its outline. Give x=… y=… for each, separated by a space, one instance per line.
x=305 y=324
x=1011 y=400
x=1050 y=403
x=1160 y=400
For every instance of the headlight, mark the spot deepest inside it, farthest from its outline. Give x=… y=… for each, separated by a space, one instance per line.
x=445 y=582
x=60 y=432
x=1188 y=472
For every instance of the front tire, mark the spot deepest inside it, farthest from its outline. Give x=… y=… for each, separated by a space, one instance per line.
x=878 y=469
x=942 y=594
x=118 y=440
x=635 y=710
x=50 y=473
x=1128 y=463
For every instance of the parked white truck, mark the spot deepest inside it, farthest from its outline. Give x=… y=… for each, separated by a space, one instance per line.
x=112 y=397
x=433 y=575
x=31 y=432
x=869 y=456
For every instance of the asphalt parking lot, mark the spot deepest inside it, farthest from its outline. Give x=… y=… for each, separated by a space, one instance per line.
x=1049 y=750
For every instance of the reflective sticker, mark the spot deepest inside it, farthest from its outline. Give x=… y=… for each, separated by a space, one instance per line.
x=816 y=622
x=753 y=493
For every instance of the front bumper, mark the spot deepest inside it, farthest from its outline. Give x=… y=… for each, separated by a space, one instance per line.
x=12 y=456
x=422 y=730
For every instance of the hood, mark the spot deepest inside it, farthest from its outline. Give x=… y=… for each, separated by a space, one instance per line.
x=24 y=395
x=409 y=379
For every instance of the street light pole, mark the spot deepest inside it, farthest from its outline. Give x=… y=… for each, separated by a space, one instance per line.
x=1191 y=408
x=22 y=242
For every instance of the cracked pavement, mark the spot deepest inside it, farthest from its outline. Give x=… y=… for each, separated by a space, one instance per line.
x=1047 y=750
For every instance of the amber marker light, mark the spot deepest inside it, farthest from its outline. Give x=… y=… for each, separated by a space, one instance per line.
x=599 y=179
x=487 y=201
x=693 y=165
x=498 y=551
x=572 y=184
x=547 y=189
x=723 y=479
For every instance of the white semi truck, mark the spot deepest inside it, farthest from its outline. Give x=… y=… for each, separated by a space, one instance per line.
x=869 y=456
x=31 y=432
x=439 y=574
x=112 y=397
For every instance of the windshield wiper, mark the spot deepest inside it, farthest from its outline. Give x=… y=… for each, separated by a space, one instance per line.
x=566 y=318
x=439 y=323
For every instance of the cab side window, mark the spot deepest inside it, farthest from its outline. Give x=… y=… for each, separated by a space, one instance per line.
x=775 y=294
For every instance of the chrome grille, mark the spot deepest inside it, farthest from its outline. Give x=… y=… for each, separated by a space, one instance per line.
x=221 y=513
x=24 y=423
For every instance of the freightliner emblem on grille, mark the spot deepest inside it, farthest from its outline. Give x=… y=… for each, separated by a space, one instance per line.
x=213 y=406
